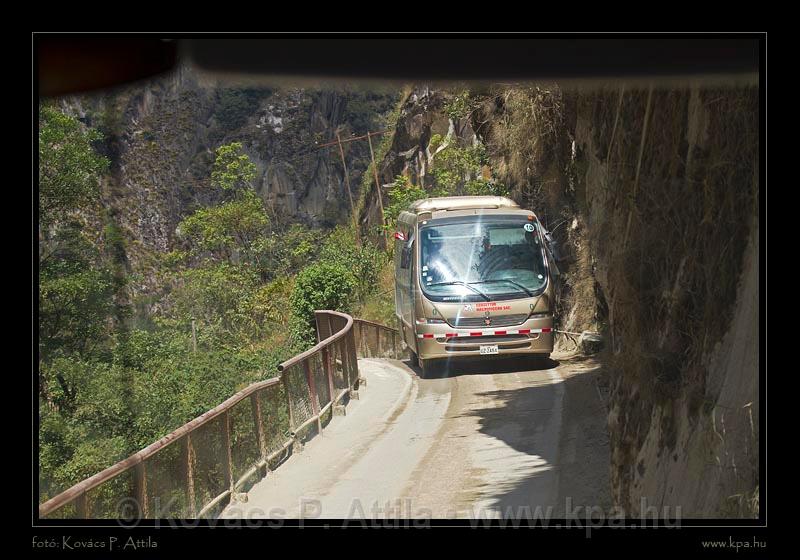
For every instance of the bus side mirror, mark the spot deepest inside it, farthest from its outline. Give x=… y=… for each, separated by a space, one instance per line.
x=405 y=255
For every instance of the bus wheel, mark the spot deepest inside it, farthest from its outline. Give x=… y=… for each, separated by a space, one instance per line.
x=543 y=361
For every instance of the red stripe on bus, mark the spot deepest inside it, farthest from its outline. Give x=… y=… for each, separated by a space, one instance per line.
x=427 y=335
x=499 y=332
x=547 y=329
x=479 y=333
x=524 y=331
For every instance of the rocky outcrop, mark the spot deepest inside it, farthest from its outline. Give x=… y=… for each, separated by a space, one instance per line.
x=161 y=135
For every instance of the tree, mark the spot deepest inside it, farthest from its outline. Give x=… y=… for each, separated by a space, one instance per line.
x=234 y=230
x=230 y=229
x=232 y=168
x=69 y=167
x=76 y=294
x=76 y=288
x=363 y=260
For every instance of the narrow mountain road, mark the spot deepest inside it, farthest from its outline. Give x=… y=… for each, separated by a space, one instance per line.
x=482 y=440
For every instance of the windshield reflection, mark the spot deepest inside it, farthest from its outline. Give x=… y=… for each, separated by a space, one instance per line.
x=478 y=259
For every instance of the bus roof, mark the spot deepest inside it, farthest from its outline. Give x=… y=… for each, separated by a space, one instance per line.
x=460 y=203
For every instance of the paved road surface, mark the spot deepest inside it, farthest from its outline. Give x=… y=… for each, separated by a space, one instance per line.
x=474 y=442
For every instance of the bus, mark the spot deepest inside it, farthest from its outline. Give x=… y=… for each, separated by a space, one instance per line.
x=475 y=276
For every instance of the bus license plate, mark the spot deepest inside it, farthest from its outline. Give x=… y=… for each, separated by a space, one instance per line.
x=488 y=349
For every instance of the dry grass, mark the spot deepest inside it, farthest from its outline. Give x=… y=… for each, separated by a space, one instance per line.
x=675 y=273
x=524 y=128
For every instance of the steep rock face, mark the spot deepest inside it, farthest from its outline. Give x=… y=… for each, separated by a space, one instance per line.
x=161 y=136
x=670 y=183
x=421 y=116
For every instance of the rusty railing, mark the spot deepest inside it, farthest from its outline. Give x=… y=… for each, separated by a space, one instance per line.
x=377 y=341
x=195 y=471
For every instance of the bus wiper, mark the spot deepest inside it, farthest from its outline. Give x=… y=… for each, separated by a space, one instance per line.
x=517 y=284
x=474 y=289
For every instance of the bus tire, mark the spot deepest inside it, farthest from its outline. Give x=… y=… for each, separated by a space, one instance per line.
x=543 y=360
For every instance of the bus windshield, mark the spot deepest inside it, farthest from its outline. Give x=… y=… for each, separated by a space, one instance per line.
x=481 y=260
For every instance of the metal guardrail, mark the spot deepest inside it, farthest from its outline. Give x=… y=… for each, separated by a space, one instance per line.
x=195 y=471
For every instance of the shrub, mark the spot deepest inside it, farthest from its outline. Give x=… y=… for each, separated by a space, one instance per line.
x=322 y=285
x=232 y=168
x=460 y=105
x=401 y=195
x=218 y=294
x=235 y=105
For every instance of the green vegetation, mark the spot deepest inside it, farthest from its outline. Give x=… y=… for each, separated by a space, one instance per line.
x=460 y=170
x=227 y=230
x=69 y=167
x=232 y=168
x=401 y=195
x=235 y=105
x=342 y=277
x=460 y=105
x=378 y=304
x=110 y=385
x=456 y=170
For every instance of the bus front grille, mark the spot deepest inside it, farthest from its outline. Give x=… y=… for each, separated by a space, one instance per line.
x=497 y=321
x=488 y=339
x=473 y=343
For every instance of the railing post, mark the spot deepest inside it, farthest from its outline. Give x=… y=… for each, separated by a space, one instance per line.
x=394 y=345
x=226 y=432
x=343 y=354
x=326 y=363
x=318 y=326
x=288 y=400
x=356 y=326
x=188 y=457
x=312 y=387
x=344 y=348
x=353 y=358
x=82 y=506
x=257 y=418
x=140 y=488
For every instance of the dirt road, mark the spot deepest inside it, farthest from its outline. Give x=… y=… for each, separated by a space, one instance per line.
x=476 y=442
